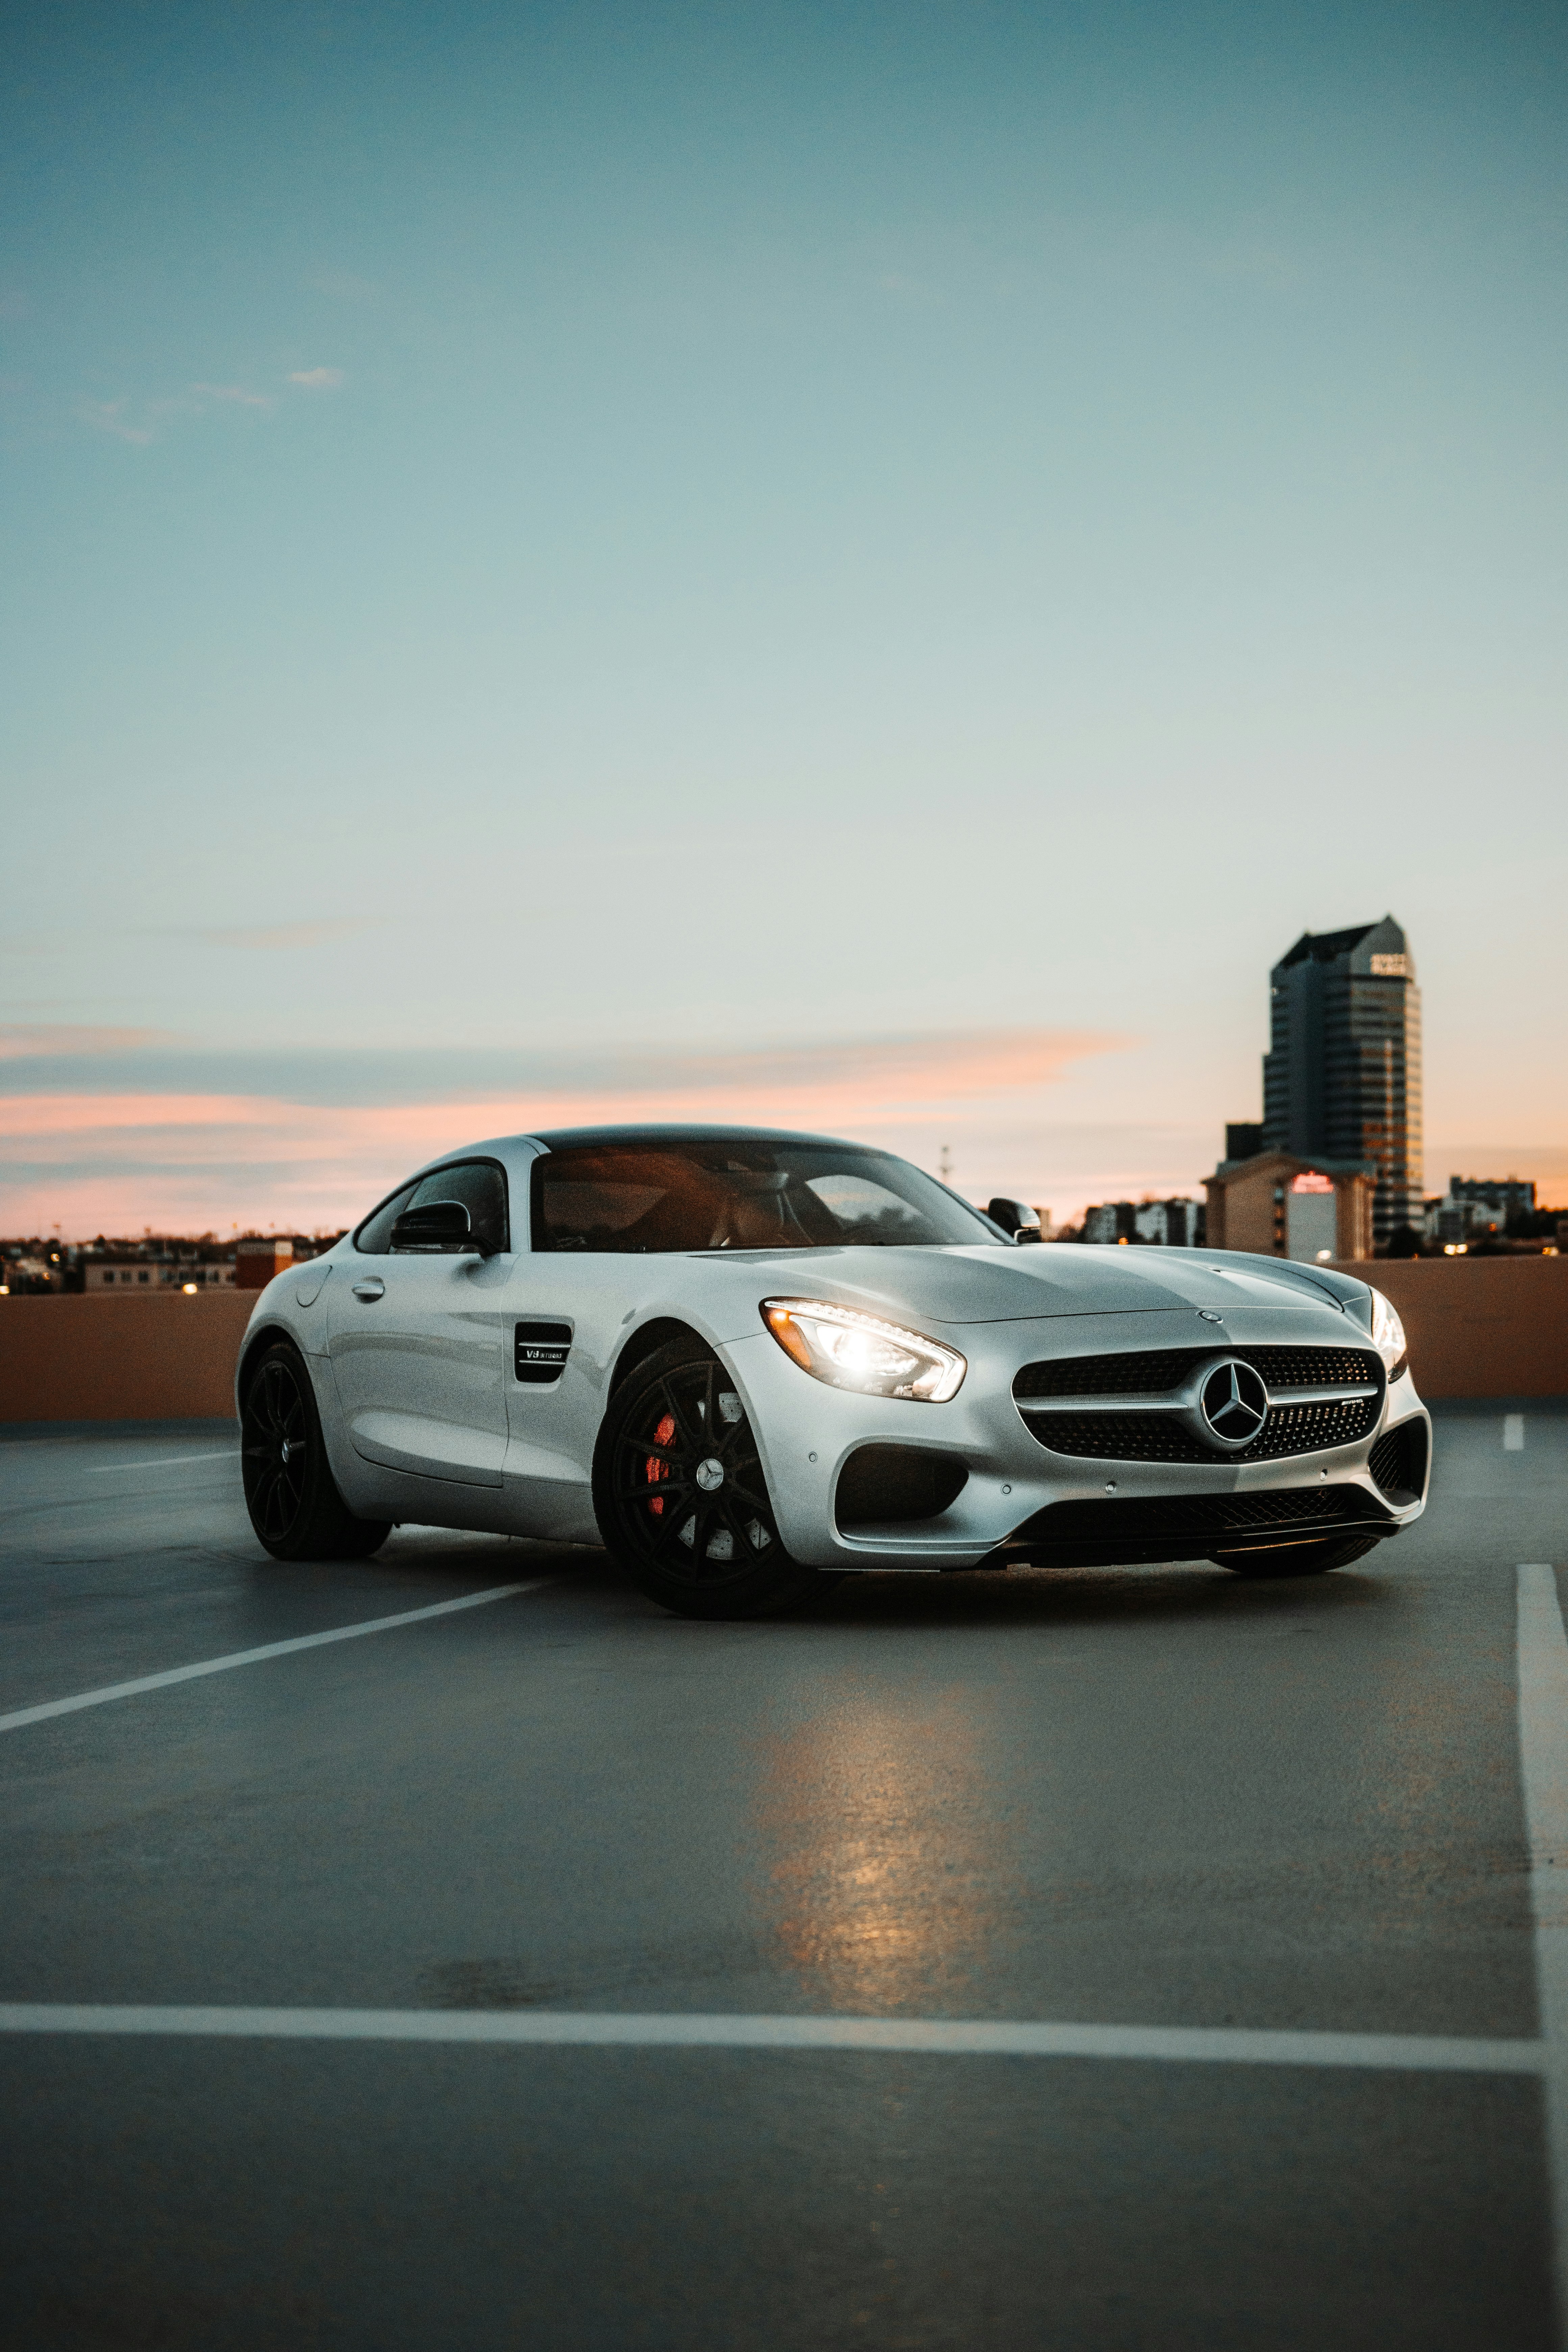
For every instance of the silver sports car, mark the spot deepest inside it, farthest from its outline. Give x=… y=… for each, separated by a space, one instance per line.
x=746 y=1361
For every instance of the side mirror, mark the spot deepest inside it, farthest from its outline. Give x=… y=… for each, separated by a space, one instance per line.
x=438 y=1225
x=1015 y=1217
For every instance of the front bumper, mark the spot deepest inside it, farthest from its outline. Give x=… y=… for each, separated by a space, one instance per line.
x=808 y=1433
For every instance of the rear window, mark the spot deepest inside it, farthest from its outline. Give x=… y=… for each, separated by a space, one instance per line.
x=631 y=1197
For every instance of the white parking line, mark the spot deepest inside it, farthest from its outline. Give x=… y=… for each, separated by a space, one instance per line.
x=1513 y=1432
x=1543 y=1747
x=164 y=1462
x=25 y=1715
x=939 y=2037
x=1543 y=1759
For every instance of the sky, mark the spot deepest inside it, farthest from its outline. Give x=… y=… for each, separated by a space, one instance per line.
x=865 y=566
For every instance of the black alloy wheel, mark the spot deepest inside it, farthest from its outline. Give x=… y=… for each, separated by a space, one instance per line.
x=681 y=1495
x=1314 y=1559
x=290 y=1491
x=275 y=1449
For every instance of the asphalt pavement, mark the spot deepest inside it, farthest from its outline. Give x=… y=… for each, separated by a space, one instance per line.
x=1137 y=1801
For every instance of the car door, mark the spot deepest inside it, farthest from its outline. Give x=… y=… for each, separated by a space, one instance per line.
x=568 y=1312
x=417 y=1337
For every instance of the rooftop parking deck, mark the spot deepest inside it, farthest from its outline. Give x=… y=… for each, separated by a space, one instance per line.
x=493 y=1959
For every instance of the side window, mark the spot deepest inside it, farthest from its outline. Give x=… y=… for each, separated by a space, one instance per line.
x=481 y=1186
x=375 y=1236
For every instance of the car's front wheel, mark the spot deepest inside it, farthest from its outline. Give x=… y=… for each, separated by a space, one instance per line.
x=290 y=1490
x=680 y=1498
x=1314 y=1559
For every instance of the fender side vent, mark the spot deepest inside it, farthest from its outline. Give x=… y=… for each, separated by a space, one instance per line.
x=540 y=1352
x=883 y=1485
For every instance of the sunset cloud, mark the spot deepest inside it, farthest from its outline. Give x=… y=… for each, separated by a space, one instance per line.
x=944 y=1067
x=307 y=934
x=202 y=1157
x=23 y=1040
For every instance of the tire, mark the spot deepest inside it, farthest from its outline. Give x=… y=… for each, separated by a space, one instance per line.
x=700 y=1548
x=290 y=1490
x=1313 y=1559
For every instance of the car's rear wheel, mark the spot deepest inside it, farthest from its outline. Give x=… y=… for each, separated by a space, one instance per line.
x=680 y=1498
x=1314 y=1559
x=290 y=1490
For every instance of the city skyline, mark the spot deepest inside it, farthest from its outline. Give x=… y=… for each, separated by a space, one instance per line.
x=156 y=1133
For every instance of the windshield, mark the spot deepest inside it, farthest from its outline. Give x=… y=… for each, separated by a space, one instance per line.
x=685 y=1196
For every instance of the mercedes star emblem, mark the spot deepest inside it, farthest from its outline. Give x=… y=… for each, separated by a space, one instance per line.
x=1233 y=1405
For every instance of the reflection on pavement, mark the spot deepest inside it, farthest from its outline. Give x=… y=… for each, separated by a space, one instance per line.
x=884 y=1849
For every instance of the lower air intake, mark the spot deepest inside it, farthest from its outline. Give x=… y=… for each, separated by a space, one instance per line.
x=1398 y=1464
x=894 y=1486
x=1189 y=1527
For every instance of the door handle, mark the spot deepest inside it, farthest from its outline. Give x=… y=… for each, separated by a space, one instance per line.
x=370 y=1289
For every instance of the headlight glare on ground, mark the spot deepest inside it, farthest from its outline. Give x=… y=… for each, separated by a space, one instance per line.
x=851 y=1350
x=1388 y=1334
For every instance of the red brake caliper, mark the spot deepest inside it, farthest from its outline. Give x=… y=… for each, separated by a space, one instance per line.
x=654 y=1467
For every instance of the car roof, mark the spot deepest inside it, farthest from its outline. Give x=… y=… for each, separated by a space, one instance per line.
x=560 y=1138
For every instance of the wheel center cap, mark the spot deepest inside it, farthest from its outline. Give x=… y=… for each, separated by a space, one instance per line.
x=710 y=1476
x=283 y=1450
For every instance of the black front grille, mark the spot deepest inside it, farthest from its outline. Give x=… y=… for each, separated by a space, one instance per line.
x=1147 y=1371
x=1160 y=1437
x=1290 y=1429
x=1398 y=1462
x=1143 y=1374
x=1112 y=1529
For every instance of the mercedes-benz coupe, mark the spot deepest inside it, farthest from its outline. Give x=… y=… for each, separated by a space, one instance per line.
x=747 y=1361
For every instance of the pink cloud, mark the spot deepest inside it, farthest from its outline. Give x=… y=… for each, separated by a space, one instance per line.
x=19 y=1040
x=310 y=934
x=915 y=1070
x=97 y=1163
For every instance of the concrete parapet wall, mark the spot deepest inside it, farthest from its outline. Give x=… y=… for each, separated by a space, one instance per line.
x=1478 y=1327
x=94 y=1356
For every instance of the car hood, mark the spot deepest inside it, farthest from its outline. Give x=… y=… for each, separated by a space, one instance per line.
x=995 y=1285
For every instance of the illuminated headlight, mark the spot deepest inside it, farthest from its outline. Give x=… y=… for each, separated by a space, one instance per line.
x=850 y=1351
x=1388 y=1334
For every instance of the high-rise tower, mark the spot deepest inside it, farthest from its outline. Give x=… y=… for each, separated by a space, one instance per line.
x=1342 y=1076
